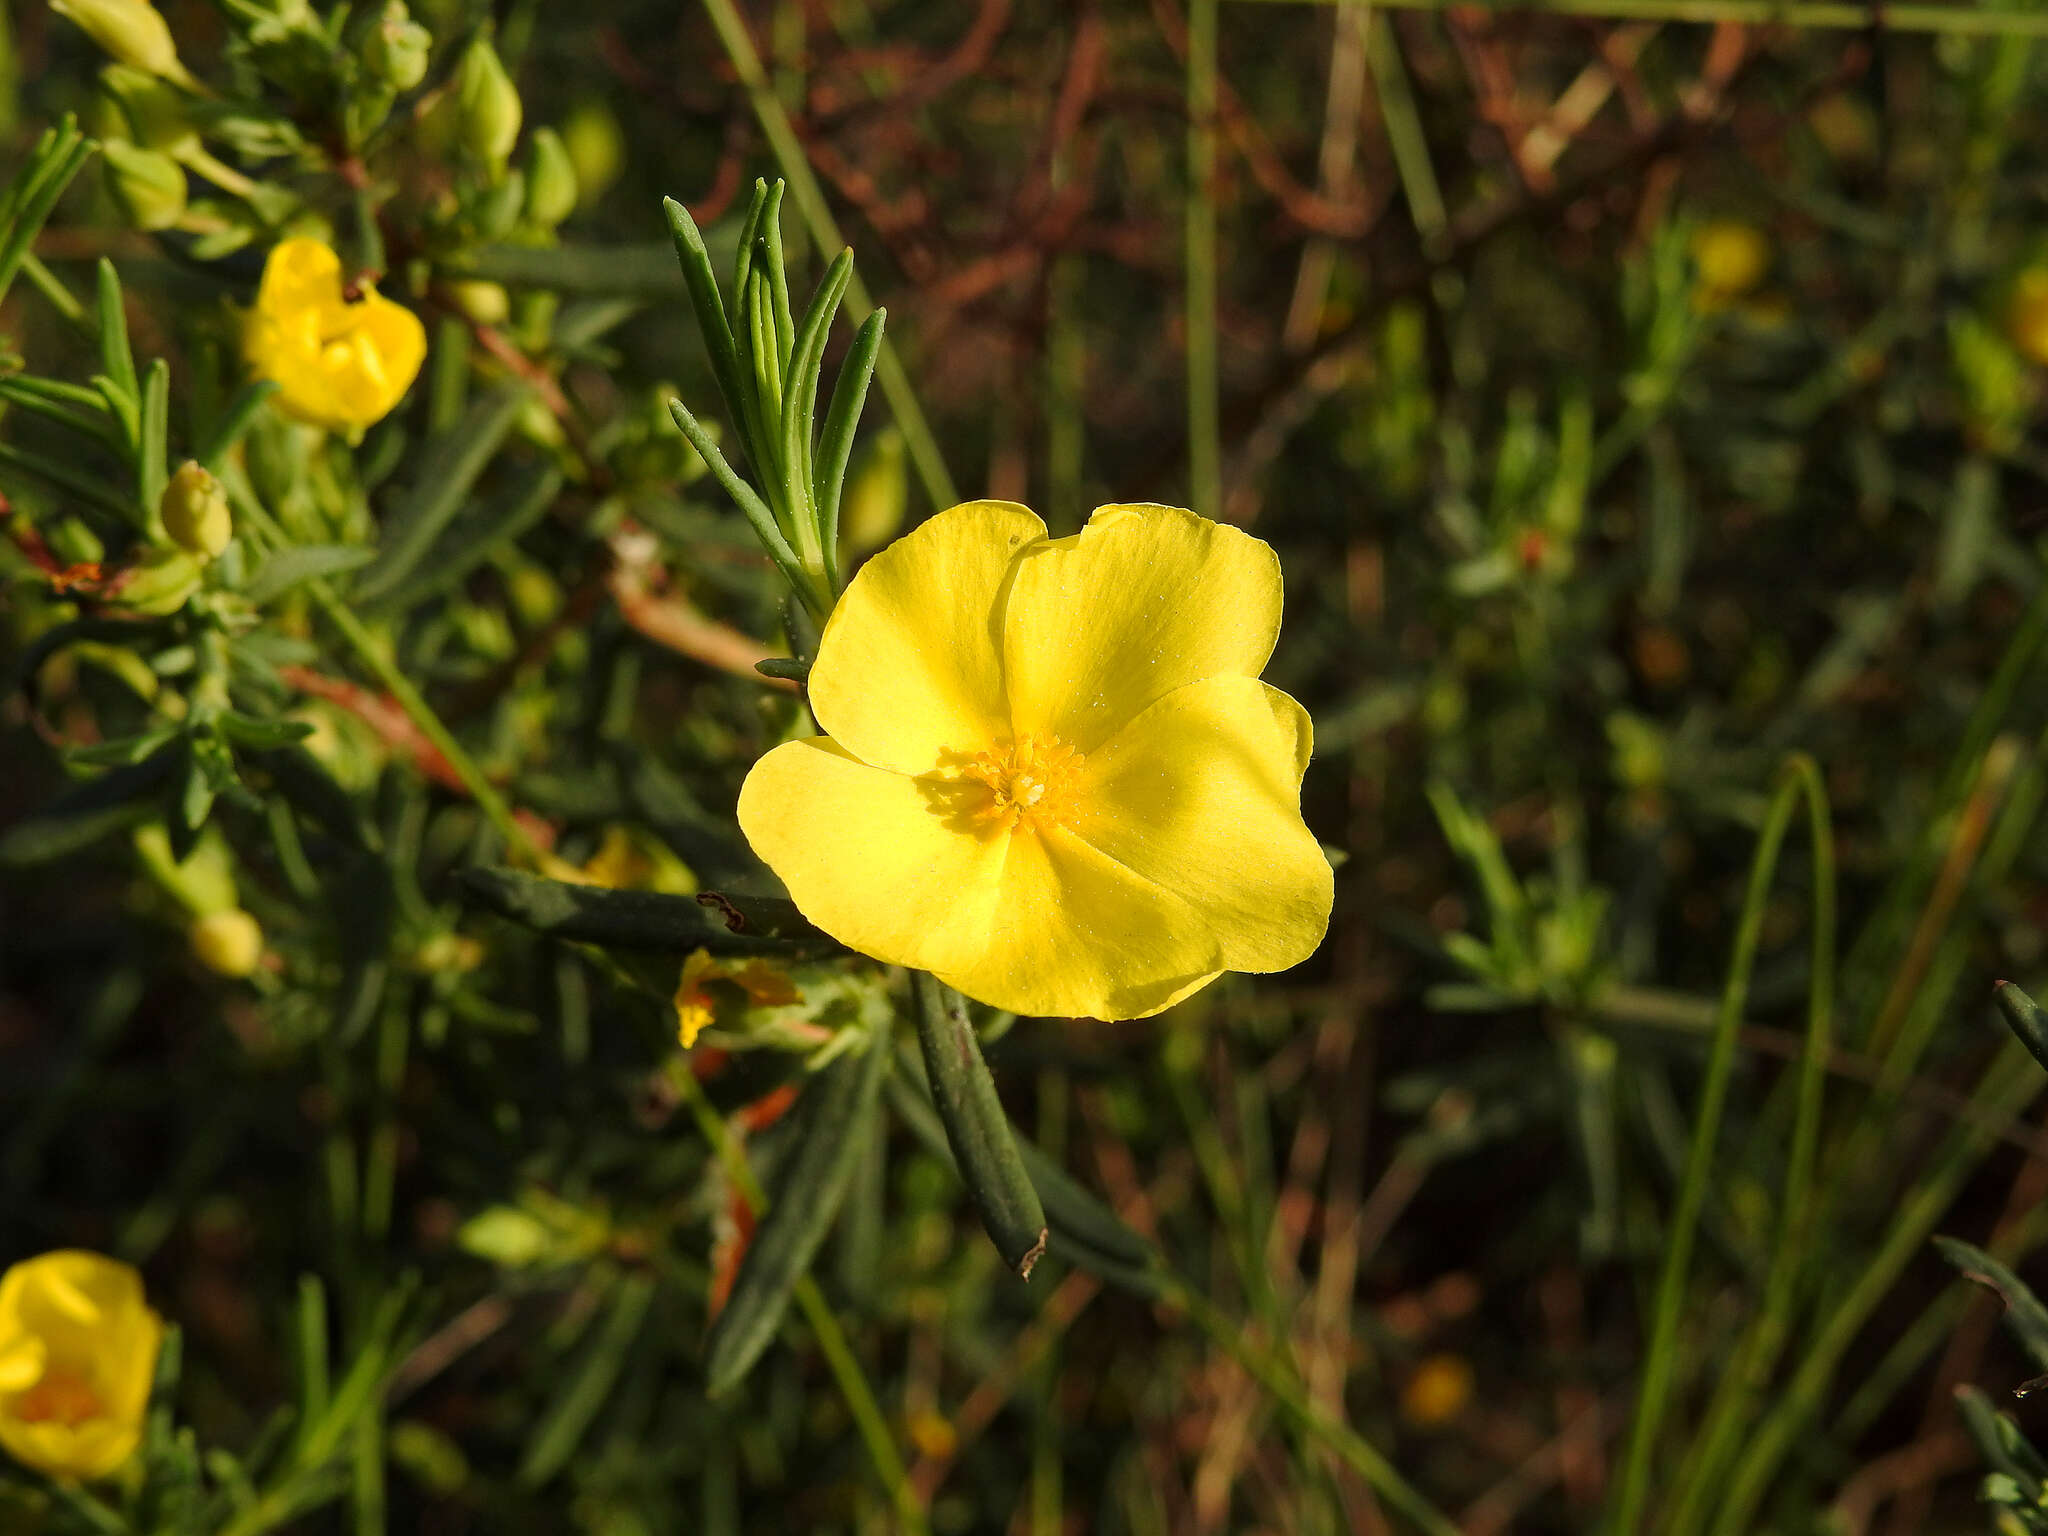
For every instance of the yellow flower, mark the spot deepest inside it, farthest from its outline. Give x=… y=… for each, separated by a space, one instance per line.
x=696 y=1010
x=1730 y=258
x=78 y=1350
x=340 y=362
x=1053 y=777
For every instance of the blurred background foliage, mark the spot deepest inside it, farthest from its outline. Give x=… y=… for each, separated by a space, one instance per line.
x=1633 y=403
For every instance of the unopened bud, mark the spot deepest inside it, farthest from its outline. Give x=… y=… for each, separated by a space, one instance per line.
x=550 y=179
x=128 y=30
x=597 y=148
x=483 y=302
x=227 y=943
x=395 y=50
x=877 y=495
x=148 y=185
x=489 y=104
x=158 y=115
x=195 y=511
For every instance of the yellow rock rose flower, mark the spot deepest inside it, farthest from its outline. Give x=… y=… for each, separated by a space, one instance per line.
x=78 y=1349
x=340 y=362
x=1052 y=776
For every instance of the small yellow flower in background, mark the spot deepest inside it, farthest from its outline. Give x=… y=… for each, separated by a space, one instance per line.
x=340 y=362
x=1053 y=777
x=1730 y=258
x=697 y=1010
x=78 y=1347
x=1437 y=1392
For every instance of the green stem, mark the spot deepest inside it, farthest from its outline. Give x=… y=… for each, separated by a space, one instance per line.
x=817 y=217
x=1205 y=451
x=1660 y=1360
x=1279 y=1383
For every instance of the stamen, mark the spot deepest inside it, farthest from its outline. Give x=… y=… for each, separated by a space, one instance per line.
x=1028 y=781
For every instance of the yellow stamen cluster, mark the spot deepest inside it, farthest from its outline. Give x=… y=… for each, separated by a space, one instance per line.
x=1029 y=781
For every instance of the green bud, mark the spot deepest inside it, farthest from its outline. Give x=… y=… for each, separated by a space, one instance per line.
x=550 y=179
x=204 y=883
x=195 y=511
x=159 y=116
x=149 y=185
x=597 y=149
x=496 y=209
x=395 y=50
x=129 y=30
x=877 y=495
x=485 y=303
x=488 y=102
x=158 y=582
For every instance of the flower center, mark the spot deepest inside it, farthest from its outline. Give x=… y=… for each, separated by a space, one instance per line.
x=61 y=1397
x=1029 y=781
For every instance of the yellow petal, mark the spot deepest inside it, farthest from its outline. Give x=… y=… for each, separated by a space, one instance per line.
x=909 y=669
x=885 y=863
x=1200 y=796
x=302 y=277
x=1075 y=933
x=1141 y=601
x=21 y=1362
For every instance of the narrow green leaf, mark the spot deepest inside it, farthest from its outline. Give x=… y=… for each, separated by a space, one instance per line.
x=976 y=1127
x=756 y=511
x=778 y=277
x=235 y=421
x=152 y=454
x=835 y=443
x=702 y=284
x=450 y=470
x=87 y=812
x=2024 y=1314
x=476 y=537
x=2024 y=1018
x=800 y=397
x=61 y=475
x=303 y=562
x=595 y=914
x=312 y=1349
x=89 y=418
x=60 y=153
x=116 y=357
x=832 y=1117
x=569 y=1416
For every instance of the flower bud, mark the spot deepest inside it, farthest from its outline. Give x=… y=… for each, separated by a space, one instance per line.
x=128 y=30
x=195 y=511
x=488 y=102
x=157 y=583
x=228 y=943
x=395 y=51
x=597 y=148
x=1730 y=258
x=148 y=185
x=550 y=179
x=483 y=302
x=158 y=116
x=877 y=495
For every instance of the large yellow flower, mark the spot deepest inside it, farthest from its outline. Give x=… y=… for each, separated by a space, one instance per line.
x=78 y=1349
x=340 y=362
x=1052 y=776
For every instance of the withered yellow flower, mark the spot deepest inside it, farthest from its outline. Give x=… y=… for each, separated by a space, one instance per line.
x=697 y=1010
x=341 y=361
x=1051 y=774
x=78 y=1348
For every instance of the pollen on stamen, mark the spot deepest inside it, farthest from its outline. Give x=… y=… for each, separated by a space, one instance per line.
x=1028 y=781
